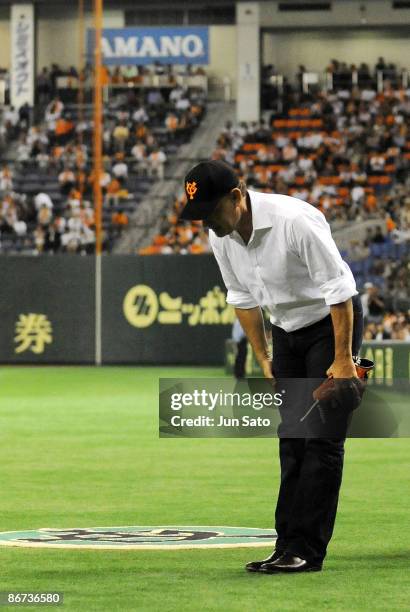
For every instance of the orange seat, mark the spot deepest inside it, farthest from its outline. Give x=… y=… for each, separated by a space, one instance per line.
x=343 y=192
x=299 y=112
x=159 y=240
x=295 y=135
x=275 y=167
x=390 y=224
x=330 y=180
x=300 y=180
x=373 y=180
x=149 y=250
x=196 y=249
x=250 y=146
x=371 y=202
x=379 y=180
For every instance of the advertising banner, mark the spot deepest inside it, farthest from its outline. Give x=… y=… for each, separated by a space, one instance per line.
x=155 y=310
x=22 y=55
x=125 y=46
x=47 y=309
x=164 y=310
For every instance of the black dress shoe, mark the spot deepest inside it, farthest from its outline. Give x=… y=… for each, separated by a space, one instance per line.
x=254 y=566
x=290 y=564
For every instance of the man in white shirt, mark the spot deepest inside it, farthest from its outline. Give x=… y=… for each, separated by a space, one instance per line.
x=120 y=168
x=182 y=104
x=140 y=115
x=11 y=117
x=43 y=199
x=277 y=253
x=156 y=162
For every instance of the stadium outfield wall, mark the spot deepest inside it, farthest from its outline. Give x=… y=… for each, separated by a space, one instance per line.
x=155 y=310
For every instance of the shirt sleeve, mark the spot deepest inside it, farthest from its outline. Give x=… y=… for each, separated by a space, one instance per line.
x=238 y=296
x=312 y=241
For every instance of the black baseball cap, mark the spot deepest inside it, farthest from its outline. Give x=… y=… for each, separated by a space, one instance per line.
x=205 y=185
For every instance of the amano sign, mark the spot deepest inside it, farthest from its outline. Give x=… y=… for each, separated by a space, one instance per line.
x=121 y=46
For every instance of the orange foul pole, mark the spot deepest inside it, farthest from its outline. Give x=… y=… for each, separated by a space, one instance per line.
x=81 y=53
x=81 y=84
x=98 y=126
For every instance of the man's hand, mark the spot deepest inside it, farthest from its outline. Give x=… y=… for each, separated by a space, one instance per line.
x=342 y=368
x=340 y=394
x=252 y=323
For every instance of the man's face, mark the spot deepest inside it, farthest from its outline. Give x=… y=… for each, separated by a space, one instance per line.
x=226 y=215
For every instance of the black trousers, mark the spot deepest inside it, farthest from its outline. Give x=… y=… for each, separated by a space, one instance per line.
x=311 y=468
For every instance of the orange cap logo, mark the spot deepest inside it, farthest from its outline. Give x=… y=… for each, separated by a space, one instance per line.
x=191 y=189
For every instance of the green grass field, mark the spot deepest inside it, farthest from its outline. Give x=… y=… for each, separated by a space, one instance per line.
x=80 y=448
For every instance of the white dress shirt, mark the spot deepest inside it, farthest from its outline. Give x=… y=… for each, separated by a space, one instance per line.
x=291 y=266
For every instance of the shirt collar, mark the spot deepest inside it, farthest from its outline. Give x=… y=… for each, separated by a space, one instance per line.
x=260 y=217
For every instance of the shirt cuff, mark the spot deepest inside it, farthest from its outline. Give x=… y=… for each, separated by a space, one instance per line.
x=338 y=290
x=240 y=300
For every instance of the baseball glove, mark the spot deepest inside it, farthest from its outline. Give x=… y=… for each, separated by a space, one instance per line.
x=342 y=394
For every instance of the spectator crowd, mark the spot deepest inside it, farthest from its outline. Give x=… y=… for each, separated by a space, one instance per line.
x=47 y=82
x=54 y=213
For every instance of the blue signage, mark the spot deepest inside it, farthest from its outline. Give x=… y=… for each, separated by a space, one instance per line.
x=121 y=46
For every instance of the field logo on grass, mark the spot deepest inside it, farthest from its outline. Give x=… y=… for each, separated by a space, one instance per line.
x=141 y=538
